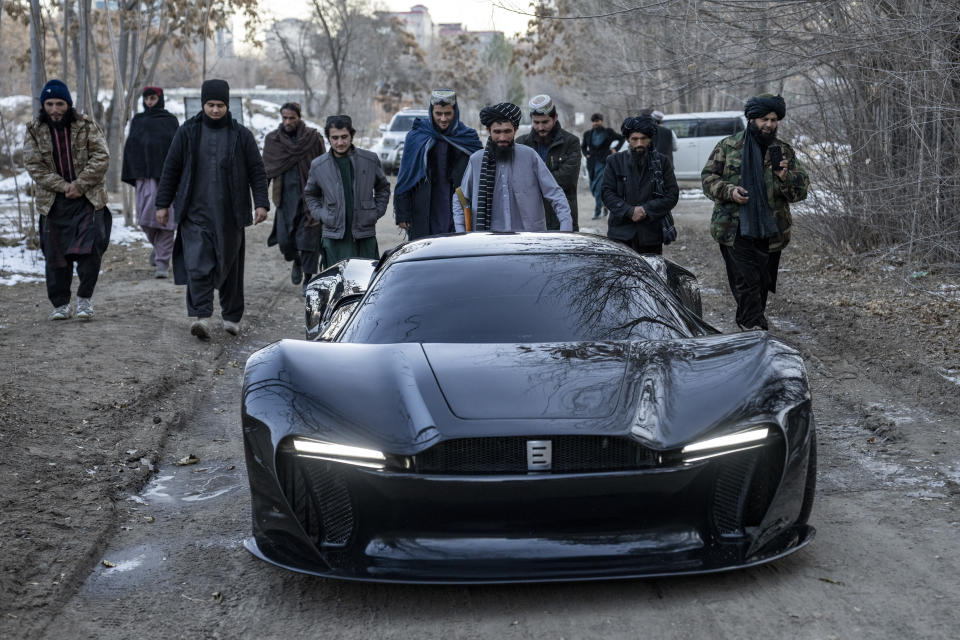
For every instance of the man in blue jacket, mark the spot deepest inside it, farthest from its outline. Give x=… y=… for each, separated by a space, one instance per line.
x=211 y=168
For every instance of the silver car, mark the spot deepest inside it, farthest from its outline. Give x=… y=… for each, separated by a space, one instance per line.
x=389 y=148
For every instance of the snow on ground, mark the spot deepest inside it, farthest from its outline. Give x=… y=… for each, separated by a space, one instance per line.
x=21 y=264
x=692 y=194
x=14 y=102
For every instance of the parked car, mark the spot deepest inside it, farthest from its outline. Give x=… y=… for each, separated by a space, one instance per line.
x=697 y=135
x=523 y=407
x=389 y=148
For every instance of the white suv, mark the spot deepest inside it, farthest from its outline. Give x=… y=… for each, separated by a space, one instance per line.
x=697 y=135
x=389 y=148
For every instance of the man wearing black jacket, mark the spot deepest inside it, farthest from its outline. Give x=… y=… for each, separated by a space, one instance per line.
x=151 y=132
x=639 y=189
x=211 y=168
x=559 y=149
x=596 y=147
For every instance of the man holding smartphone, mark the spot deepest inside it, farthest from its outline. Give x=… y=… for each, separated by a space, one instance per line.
x=752 y=177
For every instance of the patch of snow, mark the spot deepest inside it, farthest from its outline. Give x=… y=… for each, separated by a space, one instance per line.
x=9 y=185
x=14 y=102
x=692 y=194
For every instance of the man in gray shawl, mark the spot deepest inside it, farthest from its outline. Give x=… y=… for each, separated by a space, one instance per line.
x=507 y=183
x=211 y=168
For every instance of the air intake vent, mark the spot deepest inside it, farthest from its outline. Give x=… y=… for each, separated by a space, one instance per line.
x=509 y=455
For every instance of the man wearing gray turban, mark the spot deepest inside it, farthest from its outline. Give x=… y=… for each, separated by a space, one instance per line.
x=506 y=183
x=752 y=177
x=639 y=189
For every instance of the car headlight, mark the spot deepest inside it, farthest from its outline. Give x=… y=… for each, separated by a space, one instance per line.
x=722 y=445
x=357 y=456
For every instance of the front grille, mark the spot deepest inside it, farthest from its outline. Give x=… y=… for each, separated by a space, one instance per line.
x=745 y=486
x=317 y=492
x=508 y=455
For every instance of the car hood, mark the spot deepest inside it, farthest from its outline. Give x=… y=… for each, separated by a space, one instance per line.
x=530 y=381
x=403 y=397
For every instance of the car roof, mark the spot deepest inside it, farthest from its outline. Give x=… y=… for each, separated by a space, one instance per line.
x=703 y=115
x=463 y=245
x=411 y=112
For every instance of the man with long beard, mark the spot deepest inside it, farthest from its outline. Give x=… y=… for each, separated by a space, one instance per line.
x=67 y=157
x=639 y=189
x=752 y=177
x=151 y=132
x=287 y=154
x=560 y=151
x=506 y=183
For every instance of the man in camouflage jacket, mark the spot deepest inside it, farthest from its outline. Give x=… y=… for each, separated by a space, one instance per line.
x=66 y=155
x=751 y=215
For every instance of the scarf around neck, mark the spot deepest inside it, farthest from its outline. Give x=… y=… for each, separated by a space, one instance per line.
x=756 y=217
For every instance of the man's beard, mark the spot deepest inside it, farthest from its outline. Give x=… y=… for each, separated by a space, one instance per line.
x=762 y=138
x=503 y=153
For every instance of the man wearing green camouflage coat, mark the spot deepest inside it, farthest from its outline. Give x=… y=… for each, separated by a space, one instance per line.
x=752 y=177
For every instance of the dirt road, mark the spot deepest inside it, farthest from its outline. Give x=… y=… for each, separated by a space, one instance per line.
x=105 y=536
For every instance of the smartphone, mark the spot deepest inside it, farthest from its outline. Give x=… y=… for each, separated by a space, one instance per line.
x=776 y=156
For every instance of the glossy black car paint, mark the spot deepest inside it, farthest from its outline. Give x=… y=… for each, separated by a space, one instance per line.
x=660 y=518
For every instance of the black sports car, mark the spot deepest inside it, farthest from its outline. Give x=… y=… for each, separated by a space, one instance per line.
x=523 y=407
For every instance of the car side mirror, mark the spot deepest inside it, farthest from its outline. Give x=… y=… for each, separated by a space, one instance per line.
x=382 y=127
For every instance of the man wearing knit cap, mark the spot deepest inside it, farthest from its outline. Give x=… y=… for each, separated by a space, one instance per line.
x=211 y=169
x=639 y=189
x=560 y=151
x=67 y=158
x=752 y=177
x=151 y=132
x=505 y=183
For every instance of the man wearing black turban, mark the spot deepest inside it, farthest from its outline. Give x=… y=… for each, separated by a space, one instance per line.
x=505 y=183
x=752 y=177
x=639 y=189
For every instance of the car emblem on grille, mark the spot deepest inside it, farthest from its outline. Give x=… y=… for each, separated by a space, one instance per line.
x=539 y=455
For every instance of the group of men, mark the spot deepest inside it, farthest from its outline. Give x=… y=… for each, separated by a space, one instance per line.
x=200 y=184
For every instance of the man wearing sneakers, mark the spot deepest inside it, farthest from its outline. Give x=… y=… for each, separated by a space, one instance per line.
x=211 y=169
x=66 y=155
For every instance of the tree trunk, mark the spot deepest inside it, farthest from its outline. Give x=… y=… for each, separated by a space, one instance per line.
x=83 y=81
x=37 y=76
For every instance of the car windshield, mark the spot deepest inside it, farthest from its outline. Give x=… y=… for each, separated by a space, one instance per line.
x=519 y=298
x=402 y=123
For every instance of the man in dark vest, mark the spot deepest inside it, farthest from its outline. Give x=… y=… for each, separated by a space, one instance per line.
x=66 y=155
x=210 y=171
x=287 y=154
x=435 y=154
x=151 y=132
x=559 y=149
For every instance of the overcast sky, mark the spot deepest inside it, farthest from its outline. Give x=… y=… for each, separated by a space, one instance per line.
x=478 y=15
